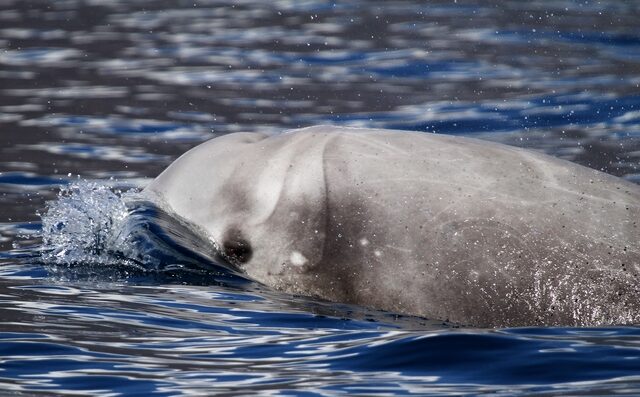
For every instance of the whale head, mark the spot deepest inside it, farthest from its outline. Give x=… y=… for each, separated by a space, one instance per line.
x=261 y=203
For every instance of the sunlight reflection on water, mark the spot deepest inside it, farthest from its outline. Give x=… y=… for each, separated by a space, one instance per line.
x=121 y=88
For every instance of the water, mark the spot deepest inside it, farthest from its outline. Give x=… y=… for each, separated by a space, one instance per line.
x=110 y=92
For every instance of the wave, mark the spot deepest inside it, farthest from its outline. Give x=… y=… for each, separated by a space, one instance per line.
x=92 y=230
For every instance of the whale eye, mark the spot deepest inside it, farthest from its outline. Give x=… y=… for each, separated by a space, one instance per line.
x=236 y=247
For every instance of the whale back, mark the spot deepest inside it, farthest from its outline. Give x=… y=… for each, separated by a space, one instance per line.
x=483 y=233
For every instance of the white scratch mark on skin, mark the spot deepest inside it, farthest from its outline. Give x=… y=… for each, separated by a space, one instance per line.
x=297 y=259
x=406 y=250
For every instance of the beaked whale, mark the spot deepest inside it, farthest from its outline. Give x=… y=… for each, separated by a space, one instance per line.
x=438 y=226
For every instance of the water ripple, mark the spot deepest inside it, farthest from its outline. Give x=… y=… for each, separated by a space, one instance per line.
x=115 y=90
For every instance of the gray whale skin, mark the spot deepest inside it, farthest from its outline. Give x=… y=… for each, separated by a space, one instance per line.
x=443 y=227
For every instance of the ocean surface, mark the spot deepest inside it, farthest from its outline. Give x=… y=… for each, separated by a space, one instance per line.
x=102 y=295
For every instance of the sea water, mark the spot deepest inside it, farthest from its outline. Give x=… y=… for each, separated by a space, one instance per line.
x=101 y=293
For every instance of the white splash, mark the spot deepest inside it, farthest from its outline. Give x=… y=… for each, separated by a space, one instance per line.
x=85 y=224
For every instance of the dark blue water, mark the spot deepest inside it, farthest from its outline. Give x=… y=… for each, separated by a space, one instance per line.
x=103 y=295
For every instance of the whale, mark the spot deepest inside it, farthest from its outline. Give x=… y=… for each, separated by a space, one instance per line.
x=444 y=227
